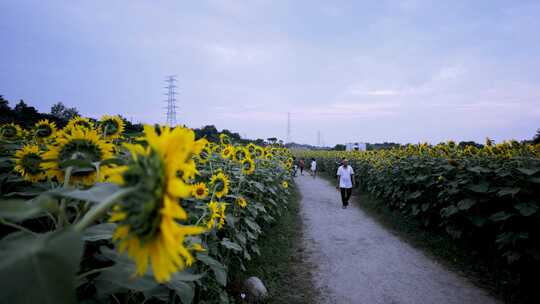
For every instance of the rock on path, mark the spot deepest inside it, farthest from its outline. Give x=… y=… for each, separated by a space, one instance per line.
x=360 y=262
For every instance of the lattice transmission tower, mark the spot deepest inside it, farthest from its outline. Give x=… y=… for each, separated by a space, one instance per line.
x=171 y=100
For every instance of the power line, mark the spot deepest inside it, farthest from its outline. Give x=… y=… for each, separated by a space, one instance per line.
x=171 y=100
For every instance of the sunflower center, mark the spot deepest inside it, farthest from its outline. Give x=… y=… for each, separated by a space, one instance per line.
x=81 y=149
x=31 y=163
x=220 y=185
x=83 y=123
x=9 y=132
x=200 y=191
x=110 y=127
x=44 y=131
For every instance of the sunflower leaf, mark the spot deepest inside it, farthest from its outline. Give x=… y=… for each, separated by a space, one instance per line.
x=98 y=193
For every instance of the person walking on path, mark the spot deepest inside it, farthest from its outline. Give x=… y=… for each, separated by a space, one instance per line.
x=301 y=164
x=313 y=167
x=345 y=182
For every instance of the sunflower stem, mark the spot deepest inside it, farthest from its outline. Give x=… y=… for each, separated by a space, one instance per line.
x=90 y=272
x=97 y=211
x=13 y=225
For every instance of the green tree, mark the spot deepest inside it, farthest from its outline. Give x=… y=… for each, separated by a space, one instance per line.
x=536 y=138
x=60 y=111
x=339 y=147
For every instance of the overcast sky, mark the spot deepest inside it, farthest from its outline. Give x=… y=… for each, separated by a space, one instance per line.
x=404 y=71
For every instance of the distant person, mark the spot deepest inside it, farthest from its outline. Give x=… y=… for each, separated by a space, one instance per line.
x=313 y=167
x=301 y=164
x=345 y=182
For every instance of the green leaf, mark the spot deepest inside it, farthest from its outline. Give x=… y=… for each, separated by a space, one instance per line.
x=99 y=232
x=478 y=221
x=466 y=204
x=449 y=211
x=526 y=209
x=529 y=171
x=19 y=210
x=252 y=225
x=508 y=191
x=231 y=245
x=500 y=216
x=220 y=271
x=479 y=188
x=40 y=269
x=185 y=291
x=98 y=193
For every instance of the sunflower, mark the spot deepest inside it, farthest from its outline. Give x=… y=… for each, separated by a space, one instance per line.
x=241 y=202
x=44 y=129
x=224 y=139
x=217 y=215
x=220 y=184
x=81 y=144
x=205 y=155
x=216 y=149
x=10 y=131
x=284 y=184
x=259 y=151
x=251 y=148
x=268 y=156
x=240 y=153
x=148 y=220
x=200 y=191
x=79 y=122
x=27 y=163
x=227 y=152
x=248 y=166
x=112 y=127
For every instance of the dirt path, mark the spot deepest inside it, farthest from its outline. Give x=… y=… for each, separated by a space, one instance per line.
x=360 y=262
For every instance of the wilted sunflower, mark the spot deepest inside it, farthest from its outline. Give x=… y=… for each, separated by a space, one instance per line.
x=219 y=183
x=217 y=215
x=28 y=163
x=111 y=127
x=200 y=191
x=79 y=122
x=10 y=131
x=248 y=166
x=285 y=184
x=44 y=129
x=81 y=144
x=224 y=139
x=227 y=152
x=148 y=219
x=241 y=202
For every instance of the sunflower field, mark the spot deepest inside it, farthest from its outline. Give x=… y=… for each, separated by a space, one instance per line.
x=488 y=195
x=88 y=214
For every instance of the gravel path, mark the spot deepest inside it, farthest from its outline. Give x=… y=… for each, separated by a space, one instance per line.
x=358 y=261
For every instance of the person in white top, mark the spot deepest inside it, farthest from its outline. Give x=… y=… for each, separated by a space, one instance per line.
x=345 y=180
x=313 y=167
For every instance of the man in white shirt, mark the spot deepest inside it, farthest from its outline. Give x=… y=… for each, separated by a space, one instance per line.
x=345 y=179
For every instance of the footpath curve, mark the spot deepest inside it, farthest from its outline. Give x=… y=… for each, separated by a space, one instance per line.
x=358 y=261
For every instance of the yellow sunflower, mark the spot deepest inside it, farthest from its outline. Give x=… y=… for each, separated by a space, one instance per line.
x=259 y=151
x=205 y=155
x=240 y=153
x=111 y=127
x=285 y=184
x=79 y=122
x=251 y=148
x=219 y=183
x=227 y=152
x=10 y=131
x=148 y=220
x=248 y=166
x=200 y=191
x=241 y=202
x=81 y=144
x=268 y=156
x=44 y=129
x=28 y=163
x=217 y=215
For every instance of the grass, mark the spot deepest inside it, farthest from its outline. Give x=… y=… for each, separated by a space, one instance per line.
x=281 y=265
